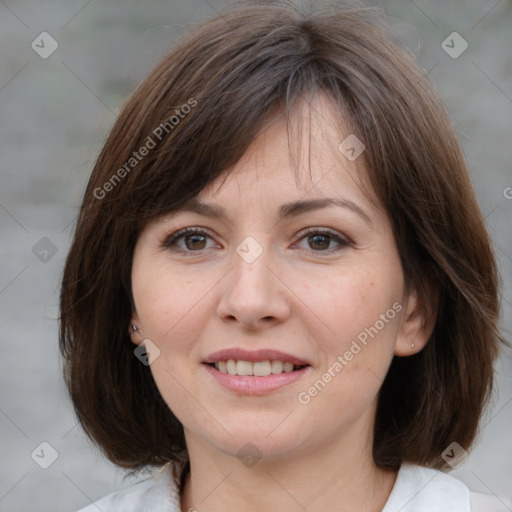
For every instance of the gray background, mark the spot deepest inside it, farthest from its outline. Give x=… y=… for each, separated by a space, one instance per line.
x=54 y=115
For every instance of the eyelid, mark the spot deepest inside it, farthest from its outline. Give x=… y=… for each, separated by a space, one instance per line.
x=170 y=237
x=343 y=241
x=327 y=231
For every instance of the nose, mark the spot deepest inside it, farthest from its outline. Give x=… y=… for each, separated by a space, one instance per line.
x=254 y=296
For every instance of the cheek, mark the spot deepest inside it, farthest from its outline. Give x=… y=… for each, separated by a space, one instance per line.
x=171 y=307
x=357 y=306
x=167 y=301
x=358 y=348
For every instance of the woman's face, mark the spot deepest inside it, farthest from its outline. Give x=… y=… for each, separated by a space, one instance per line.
x=281 y=275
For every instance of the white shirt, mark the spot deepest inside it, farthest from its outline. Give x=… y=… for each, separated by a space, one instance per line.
x=416 y=489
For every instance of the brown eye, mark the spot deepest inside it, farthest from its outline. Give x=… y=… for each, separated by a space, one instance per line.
x=188 y=240
x=320 y=240
x=195 y=242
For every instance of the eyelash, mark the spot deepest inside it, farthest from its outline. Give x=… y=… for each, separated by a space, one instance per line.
x=170 y=240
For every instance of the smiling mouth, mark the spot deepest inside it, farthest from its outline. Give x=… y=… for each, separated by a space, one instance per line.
x=256 y=368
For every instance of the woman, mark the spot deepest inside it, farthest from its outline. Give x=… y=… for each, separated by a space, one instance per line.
x=281 y=291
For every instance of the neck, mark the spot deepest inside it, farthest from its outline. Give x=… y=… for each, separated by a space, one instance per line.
x=341 y=475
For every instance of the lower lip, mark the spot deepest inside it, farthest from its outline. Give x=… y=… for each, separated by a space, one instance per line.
x=250 y=385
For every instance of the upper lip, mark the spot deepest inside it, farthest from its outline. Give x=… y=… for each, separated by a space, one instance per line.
x=240 y=354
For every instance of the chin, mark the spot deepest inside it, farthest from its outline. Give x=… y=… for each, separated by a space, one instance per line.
x=257 y=442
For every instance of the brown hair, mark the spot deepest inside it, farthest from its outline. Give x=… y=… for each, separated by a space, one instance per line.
x=196 y=114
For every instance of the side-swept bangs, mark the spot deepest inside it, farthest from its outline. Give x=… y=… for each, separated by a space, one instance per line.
x=193 y=118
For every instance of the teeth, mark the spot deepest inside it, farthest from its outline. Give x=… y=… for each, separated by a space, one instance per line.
x=288 y=367
x=276 y=366
x=261 y=368
x=258 y=369
x=231 y=367
x=244 y=368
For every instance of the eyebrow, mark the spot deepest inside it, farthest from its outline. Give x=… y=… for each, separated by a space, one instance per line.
x=286 y=210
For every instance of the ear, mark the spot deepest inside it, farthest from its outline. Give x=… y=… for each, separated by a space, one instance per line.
x=418 y=323
x=134 y=330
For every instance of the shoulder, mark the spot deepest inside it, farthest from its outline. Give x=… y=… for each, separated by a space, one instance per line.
x=421 y=489
x=159 y=493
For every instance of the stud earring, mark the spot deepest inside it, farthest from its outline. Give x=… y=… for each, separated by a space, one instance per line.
x=134 y=329
x=412 y=345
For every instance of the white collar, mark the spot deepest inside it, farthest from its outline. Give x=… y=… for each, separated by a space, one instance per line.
x=420 y=489
x=416 y=489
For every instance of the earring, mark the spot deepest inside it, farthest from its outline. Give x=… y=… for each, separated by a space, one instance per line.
x=133 y=329
x=412 y=345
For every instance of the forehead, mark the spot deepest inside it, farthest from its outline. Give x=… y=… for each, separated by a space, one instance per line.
x=304 y=156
